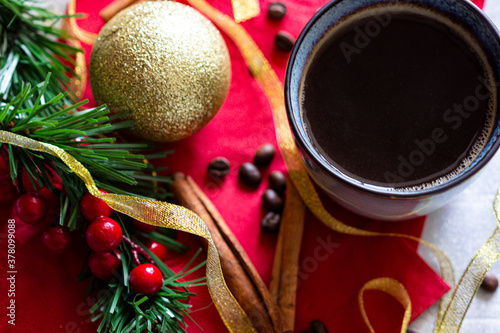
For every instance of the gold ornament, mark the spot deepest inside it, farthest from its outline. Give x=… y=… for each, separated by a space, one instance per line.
x=166 y=64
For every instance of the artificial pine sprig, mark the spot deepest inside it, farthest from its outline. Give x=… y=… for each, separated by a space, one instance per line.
x=114 y=166
x=31 y=47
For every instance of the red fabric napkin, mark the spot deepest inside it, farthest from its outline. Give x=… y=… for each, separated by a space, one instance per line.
x=333 y=267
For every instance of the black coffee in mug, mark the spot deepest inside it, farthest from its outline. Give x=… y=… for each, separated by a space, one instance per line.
x=398 y=96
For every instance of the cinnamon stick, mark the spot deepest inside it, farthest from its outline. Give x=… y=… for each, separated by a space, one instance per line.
x=240 y=274
x=274 y=286
x=114 y=8
x=234 y=244
x=286 y=262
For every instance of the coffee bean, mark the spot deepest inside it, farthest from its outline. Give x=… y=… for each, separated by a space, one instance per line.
x=276 y=10
x=272 y=201
x=270 y=223
x=318 y=327
x=264 y=155
x=490 y=282
x=218 y=167
x=277 y=181
x=284 y=41
x=249 y=175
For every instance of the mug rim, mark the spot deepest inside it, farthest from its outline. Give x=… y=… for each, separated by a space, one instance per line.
x=305 y=145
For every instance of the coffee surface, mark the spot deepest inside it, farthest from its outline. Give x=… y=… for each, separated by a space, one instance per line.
x=396 y=101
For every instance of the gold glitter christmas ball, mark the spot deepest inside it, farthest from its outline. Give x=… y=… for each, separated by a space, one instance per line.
x=166 y=64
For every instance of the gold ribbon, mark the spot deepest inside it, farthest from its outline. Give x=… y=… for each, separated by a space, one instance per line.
x=160 y=214
x=78 y=82
x=393 y=288
x=453 y=307
x=271 y=85
x=245 y=9
x=470 y=281
x=82 y=35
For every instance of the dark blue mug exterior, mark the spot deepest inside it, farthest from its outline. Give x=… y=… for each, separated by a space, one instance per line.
x=368 y=200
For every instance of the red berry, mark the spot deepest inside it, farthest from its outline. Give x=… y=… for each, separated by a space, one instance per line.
x=56 y=181
x=52 y=206
x=144 y=227
x=57 y=239
x=51 y=198
x=145 y=279
x=81 y=140
x=27 y=183
x=31 y=208
x=104 y=234
x=103 y=265
x=158 y=249
x=4 y=169
x=92 y=207
x=7 y=192
x=7 y=189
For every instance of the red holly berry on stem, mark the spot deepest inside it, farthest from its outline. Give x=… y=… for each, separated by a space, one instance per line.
x=4 y=169
x=56 y=239
x=7 y=189
x=31 y=208
x=144 y=227
x=51 y=198
x=92 y=207
x=104 y=234
x=56 y=181
x=81 y=140
x=7 y=192
x=158 y=249
x=52 y=206
x=145 y=279
x=103 y=265
x=28 y=184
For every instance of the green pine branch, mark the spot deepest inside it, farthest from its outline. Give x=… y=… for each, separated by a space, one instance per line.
x=35 y=66
x=116 y=167
x=31 y=47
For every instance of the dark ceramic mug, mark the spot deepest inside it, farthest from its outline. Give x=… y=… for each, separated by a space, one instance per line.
x=378 y=201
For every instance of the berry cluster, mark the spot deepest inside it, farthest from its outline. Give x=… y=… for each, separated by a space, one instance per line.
x=38 y=208
x=41 y=208
x=104 y=235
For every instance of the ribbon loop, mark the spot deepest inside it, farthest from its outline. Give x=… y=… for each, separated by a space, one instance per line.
x=393 y=288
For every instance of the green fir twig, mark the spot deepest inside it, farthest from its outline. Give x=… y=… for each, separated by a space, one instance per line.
x=32 y=46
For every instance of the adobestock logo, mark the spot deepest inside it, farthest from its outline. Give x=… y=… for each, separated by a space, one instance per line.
x=417 y=157
x=363 y=37
x=424 y=148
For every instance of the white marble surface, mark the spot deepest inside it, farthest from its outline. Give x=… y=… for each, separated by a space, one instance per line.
x=459 y=229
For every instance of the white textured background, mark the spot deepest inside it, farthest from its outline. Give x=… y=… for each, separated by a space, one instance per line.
x=459 y=229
